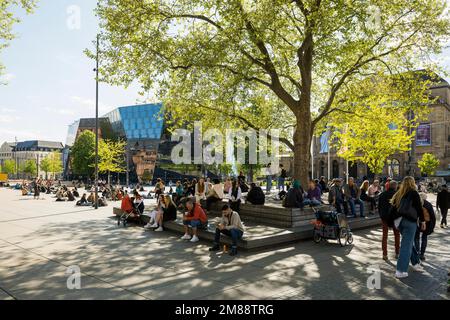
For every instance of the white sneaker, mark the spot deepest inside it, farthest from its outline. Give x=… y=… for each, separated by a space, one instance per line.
x=186 y=237
x=155 y=225
x=417 y=268
x=159 y=229
x=147 y=226
x=195 y=239
x=401 y=275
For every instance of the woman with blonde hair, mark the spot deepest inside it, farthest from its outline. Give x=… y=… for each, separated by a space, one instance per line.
x=407 y=211
x=200 y=190
x=365 y=197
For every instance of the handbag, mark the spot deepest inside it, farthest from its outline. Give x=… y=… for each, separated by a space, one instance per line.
x=406 y=209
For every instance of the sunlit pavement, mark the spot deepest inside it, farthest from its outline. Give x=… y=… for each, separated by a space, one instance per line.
x=41 y=239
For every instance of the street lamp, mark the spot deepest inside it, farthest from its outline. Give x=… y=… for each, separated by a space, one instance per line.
x=96 y=125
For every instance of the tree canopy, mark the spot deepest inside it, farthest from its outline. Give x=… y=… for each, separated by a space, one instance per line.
x=82 y=154
x=428 y=164
x=261 y=63
x=52 y=163
x=9 y=166
x=110 y=156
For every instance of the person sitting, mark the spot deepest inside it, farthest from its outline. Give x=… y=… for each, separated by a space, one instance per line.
x=294 y=196
x=255 y=195
x=352 y=196
x=215 y=194
x=154 y=214
x=75 y=193
x=231 y=225
x=365 y=197
x=176 y=197
x=102 y=202
x=227 y=186
x=167 y=212
x=83 y=201
x=200 y=190
x=159 y=187
x=60 y=196
x=138 y=202
x=91 y=198
x=194 y=217
x=235 y=196
x=70 y=196
x=313 y=195
x=374 y=189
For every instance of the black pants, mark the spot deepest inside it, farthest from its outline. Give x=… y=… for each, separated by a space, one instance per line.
x=235 y=205
x=210 y=201
x=444 y=216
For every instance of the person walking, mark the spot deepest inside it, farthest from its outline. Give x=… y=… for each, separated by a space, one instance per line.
x=421 y=238
x=442 y=203
x=384 y=206
x=282 y=178
x=407 y=211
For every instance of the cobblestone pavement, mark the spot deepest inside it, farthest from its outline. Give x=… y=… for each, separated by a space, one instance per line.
x=40 y=239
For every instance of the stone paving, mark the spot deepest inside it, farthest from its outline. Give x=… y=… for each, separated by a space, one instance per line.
x=40 y=239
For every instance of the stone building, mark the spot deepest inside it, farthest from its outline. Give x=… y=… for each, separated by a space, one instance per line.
x=432 y=136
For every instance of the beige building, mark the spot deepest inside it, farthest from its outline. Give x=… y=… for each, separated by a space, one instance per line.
x=432 y=136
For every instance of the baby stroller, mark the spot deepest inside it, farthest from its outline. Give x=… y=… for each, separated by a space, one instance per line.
x=332 y=225
x=130 y=213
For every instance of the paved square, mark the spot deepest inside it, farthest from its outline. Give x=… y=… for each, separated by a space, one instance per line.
x=40 y=239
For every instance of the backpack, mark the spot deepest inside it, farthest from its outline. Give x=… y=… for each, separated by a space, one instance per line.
x=406 y=209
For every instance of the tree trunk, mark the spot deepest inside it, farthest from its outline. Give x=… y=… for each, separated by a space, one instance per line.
x=302 y=150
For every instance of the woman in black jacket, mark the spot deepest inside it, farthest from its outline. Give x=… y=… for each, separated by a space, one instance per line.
x=407 y=210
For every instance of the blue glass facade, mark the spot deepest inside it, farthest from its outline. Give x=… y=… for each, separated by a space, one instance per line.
x=138 y=122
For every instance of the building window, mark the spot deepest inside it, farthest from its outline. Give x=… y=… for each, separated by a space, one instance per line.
x=393 y=167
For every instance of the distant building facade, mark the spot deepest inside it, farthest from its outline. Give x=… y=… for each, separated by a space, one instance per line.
x=432 y=136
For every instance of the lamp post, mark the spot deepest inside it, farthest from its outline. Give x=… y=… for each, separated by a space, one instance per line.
x=96 y=125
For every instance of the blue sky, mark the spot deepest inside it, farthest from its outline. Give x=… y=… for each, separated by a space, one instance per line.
x=51 y=82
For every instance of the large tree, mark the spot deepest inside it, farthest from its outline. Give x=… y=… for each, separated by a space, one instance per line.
x=257 y=62
x=110 y=157
x=82 y=154
x=7 y=20
x=52 y=164
x=9 y=166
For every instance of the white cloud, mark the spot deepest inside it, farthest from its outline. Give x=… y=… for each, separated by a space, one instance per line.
x=89 y=104
x=61 y=111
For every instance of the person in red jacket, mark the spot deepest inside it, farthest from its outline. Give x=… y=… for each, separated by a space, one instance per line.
x=194 y=217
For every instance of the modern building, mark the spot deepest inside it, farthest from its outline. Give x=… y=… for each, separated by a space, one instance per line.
x=141 y=126
x=432 y=136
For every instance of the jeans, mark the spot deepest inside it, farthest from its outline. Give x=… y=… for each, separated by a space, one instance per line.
x=385 y=238
x=234 y=233
x=339 y=204
x=408 y=250
x=312 y=202
x=421 y=245
x=281 y=181
x=269 y=183
x=353 y=202
x=195 y=223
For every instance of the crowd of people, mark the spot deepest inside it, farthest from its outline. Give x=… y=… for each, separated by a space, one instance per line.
x=402 y=206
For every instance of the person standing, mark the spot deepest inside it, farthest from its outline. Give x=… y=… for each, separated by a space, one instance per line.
x=442 y=203
x=407 y=211
x=336 y=196
x=269 y=178
x=421 y=238
x=384 y=206
x=282 y=178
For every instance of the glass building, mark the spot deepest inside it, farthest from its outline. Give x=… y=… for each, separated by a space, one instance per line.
x=141 y=126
